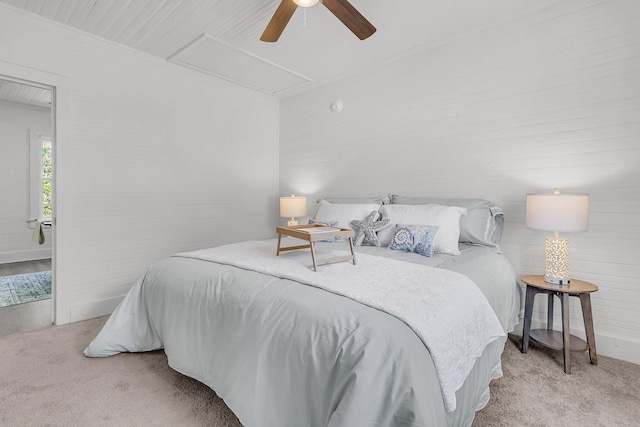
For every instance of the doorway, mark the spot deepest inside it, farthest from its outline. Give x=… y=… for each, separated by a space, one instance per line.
x=27 y=163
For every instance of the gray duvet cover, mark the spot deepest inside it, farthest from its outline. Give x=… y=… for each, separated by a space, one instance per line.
x=281 y=353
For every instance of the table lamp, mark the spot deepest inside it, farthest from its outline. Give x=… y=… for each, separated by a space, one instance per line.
x=292 y=207
x=558 y=213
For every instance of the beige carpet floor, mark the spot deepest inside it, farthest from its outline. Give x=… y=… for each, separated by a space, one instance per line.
x=46 y=381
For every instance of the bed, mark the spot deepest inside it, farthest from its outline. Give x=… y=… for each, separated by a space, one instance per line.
x=399 y=339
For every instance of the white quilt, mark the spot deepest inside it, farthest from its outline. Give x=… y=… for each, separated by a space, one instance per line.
x=444 y=308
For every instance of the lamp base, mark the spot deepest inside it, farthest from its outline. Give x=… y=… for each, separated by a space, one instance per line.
x=292 y=221
x=556 y=281
x=556 y=260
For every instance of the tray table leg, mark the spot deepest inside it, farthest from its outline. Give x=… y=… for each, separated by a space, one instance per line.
x=278 y=249
x=313 y=255
x=353 y=254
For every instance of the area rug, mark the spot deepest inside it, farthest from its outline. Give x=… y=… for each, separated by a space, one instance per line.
x=23 y=288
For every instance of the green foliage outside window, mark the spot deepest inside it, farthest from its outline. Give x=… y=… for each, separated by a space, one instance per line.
x=46 y=178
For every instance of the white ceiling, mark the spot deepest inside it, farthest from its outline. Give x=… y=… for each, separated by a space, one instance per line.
x=18 y=93
x=321 y=51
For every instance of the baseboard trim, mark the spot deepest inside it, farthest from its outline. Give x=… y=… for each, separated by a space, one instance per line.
x=93 y=309
x=28 y=255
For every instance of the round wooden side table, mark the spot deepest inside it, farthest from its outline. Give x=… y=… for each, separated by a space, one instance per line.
x=555 y=339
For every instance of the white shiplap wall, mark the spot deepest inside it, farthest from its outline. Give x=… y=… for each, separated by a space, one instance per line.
x=152 y=159
x=548 y=100
x=16 y=120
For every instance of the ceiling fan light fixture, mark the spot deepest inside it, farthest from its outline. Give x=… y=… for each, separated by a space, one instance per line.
x=305 y=3
x=341 y=9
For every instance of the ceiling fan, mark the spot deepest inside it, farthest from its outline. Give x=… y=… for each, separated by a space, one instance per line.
x=342 y=9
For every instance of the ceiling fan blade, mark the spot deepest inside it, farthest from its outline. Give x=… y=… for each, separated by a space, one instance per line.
x=279 y=20
x=345 y=12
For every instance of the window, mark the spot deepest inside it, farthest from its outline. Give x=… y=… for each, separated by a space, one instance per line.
x=40 y=176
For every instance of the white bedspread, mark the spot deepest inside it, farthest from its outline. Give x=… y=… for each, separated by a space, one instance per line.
x=444 y=308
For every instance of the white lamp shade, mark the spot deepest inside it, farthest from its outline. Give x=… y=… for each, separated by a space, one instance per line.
x=557 y=212
x=293 y=206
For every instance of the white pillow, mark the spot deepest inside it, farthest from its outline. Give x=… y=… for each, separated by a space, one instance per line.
x=445 y=217
x=343 y=213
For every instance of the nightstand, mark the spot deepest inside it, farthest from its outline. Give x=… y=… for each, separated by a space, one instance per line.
x=555 y=339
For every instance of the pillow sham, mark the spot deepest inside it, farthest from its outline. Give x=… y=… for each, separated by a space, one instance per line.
x=447 y=218
x=367 y=228
x=328 y=223
x=342 y=213
x=482 y=225
x=414 y=238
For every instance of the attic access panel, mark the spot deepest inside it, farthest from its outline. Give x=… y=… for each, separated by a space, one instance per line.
x=235 y=65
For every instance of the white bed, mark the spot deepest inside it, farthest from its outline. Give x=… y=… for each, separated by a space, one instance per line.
x=283 y=345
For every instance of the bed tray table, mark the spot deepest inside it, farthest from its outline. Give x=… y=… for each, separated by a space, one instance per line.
x=313 y=233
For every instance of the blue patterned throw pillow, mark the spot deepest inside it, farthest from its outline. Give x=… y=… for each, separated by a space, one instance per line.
x=414 y=238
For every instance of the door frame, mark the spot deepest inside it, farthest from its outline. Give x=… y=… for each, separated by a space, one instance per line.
x=60 y=108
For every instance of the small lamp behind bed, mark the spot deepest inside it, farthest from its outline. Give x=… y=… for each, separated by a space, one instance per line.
x=557 y=212
x=292 y=207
